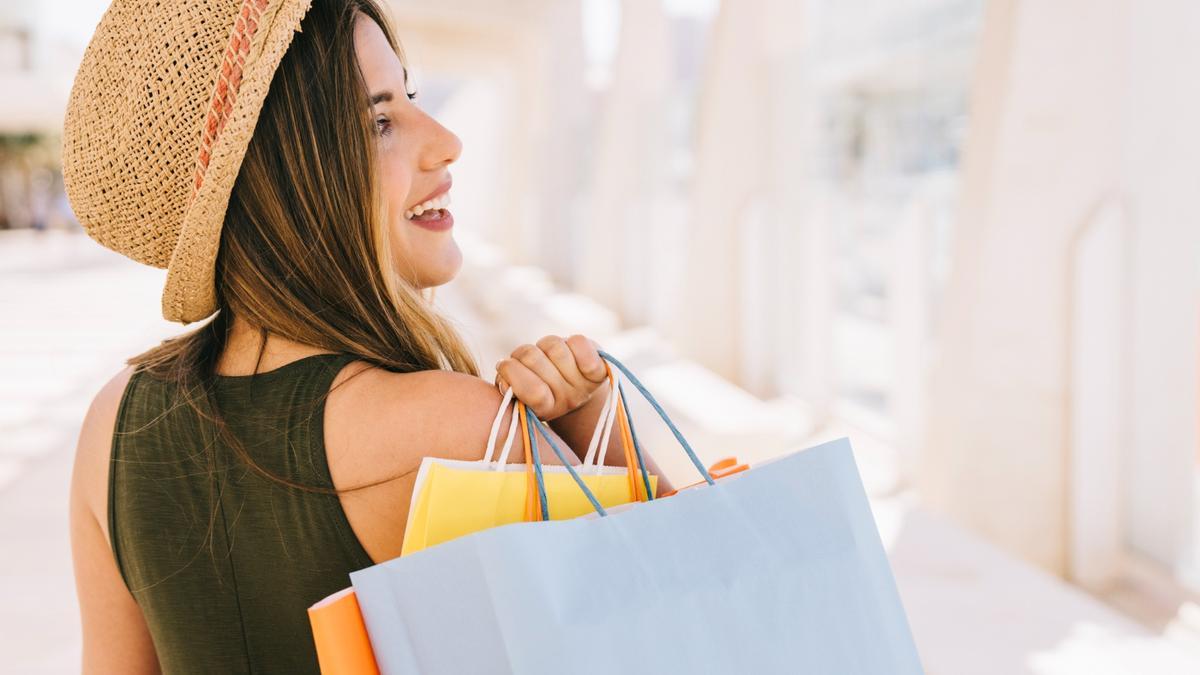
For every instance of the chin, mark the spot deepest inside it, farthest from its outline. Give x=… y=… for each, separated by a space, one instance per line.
x=449 y=262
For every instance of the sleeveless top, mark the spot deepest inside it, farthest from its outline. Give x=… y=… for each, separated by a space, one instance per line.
x=224 y=562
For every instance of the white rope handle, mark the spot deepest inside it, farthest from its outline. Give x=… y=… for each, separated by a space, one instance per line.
x=604 y=423
x=508 y=442
x=608 y=427
x=491 y=444
x=601 y=421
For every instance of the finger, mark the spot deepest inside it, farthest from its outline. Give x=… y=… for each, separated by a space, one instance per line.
x=587 y=358
x=527 y=386
x=537 y=361
x=556 y=349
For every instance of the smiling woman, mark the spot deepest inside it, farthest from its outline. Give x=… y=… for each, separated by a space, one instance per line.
x=427 y=252
x=232 y=476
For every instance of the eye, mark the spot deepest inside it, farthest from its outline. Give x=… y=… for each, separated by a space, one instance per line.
x=383 y=126
x=412 y=95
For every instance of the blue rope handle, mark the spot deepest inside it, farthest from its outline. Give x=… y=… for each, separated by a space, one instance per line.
x=531 y=420
x=637 y=447
x=534 y=421
x=661 y=413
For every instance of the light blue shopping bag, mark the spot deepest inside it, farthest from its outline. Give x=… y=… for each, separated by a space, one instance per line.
x=775 y=570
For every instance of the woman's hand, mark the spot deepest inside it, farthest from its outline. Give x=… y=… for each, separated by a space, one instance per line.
x=555 y=376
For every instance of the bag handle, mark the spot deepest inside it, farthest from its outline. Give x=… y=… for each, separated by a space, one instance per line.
x=637 y=456
x=508 y=442
x=512 y=428
x=615 y=411
x=532 y=421
x=533 y=459
x=604 y=424
x=661 y=413
x=536 y=507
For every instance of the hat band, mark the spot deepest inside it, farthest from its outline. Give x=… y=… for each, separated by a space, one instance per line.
x=228 y=81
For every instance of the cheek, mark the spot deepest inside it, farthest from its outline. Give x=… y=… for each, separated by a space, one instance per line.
x=424 y=258
x=395 y=180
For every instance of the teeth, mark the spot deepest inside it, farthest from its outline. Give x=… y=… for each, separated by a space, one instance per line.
x=437 y=203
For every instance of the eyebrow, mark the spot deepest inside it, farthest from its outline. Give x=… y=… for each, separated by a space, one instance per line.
x=381 y=97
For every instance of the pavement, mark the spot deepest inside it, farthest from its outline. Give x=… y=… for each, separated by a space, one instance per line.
x=72 y=312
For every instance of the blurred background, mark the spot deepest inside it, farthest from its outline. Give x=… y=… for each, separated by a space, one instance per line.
x=964 y=233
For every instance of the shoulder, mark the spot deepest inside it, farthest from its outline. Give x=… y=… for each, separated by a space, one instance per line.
x=115 y=635
x=380 y=423
x=379 y=426
x=92 y=453
x=422 y=390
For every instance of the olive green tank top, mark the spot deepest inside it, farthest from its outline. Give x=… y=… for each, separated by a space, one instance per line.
x=222 y=561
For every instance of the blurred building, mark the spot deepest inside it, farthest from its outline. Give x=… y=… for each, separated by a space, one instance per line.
x=942 y=223
x=961 y=231
x=40 y=47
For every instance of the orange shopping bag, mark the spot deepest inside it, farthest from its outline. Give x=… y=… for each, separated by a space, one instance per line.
x=343 y=647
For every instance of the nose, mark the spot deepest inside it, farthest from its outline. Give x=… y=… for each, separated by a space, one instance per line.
x=442 y=148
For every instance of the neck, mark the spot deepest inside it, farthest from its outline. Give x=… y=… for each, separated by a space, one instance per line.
x=240 y=355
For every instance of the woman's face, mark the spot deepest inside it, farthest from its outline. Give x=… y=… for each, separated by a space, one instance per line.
x=413 y=153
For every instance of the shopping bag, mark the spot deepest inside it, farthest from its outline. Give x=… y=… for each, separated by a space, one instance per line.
x=343 y=647
x=778 y=569
x=454 y=498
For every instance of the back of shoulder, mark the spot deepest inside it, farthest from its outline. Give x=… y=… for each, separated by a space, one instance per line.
x=379 y=423
x=92 y=454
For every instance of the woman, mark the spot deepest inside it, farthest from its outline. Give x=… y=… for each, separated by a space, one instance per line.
x=271 y=156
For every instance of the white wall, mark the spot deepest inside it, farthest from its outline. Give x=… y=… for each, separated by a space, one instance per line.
x=1054 y=134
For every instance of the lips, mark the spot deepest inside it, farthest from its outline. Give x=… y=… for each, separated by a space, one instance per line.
x=437 y=220
x=437 y=203
x=438 y=199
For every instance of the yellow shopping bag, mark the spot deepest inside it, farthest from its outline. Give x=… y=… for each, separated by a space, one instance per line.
x=454 y=498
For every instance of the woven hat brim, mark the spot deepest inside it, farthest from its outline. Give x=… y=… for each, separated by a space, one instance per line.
x=190 y=291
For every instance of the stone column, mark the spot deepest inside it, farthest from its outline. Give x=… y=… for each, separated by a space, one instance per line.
x=744 y=240
x=630 y=165
x=1162 y=172
x=562 y=139
x=1065 y=116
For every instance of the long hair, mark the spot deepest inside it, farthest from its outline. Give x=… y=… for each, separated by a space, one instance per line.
x=304 y=249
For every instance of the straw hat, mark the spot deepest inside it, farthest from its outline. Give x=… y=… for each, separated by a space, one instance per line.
x=159 y=117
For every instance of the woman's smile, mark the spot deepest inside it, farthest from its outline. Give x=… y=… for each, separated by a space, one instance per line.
x=438 y=220
x=431 y=213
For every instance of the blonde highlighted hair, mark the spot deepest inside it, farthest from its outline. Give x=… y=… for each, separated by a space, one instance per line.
x=305 y=251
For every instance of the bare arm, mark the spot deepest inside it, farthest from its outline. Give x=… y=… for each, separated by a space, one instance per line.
x=115 y=637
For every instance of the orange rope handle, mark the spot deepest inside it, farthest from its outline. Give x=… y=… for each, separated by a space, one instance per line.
x=533 y=507
x=632 y=468
x=637 y=491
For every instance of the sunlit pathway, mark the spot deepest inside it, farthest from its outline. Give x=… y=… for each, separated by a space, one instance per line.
x=71 y=312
